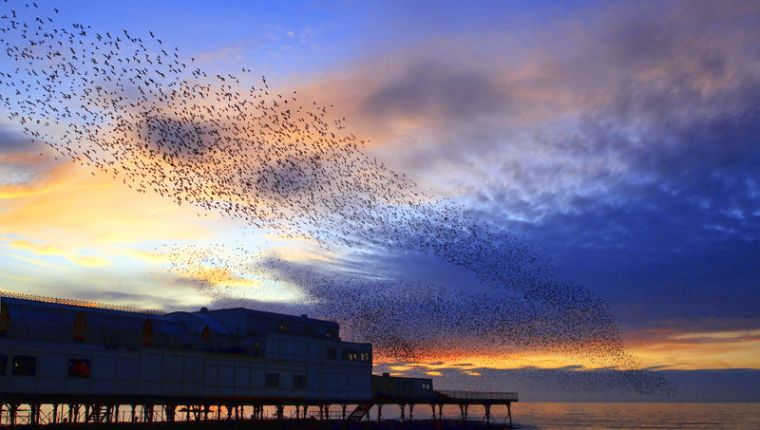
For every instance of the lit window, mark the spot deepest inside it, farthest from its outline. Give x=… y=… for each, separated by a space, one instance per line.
x=299 y=381
x=350 y=355
x=283 y=327
x=24 y=365
x=79 y=368
x=3 y=364
x=366 y=356
x=273 y=380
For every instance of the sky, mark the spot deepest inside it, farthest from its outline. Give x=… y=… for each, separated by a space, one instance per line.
x=619 y=140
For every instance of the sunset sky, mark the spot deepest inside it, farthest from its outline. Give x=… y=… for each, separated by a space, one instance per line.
x=622 y=140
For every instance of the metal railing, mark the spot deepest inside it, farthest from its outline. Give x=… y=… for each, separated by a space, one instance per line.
x=478 y=395
x=79 y=303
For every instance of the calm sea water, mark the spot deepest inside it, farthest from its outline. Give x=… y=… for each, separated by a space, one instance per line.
x=551 y=416
x=598 y=416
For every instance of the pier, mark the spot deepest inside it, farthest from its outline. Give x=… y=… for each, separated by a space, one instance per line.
x=67 y=363
x=99 y=412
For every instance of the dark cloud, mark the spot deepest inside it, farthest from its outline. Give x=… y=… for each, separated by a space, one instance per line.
x=635 y=168
x=435 y=89
x=12 y=141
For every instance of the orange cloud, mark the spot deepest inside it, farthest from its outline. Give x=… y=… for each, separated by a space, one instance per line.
x=70 y=205
x=48 y=249
x=672 y=350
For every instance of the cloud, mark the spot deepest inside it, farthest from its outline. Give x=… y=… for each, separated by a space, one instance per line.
x=571 y=384
x=432 y=89
x=627 y=152
x=48 y=249
x=12 y=141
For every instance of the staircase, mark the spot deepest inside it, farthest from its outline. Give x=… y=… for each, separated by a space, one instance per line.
x=360 y=411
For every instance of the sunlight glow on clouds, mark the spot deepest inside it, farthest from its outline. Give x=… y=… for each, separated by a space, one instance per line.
x=628 y=152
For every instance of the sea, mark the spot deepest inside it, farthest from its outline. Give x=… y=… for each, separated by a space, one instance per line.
x=592 y=416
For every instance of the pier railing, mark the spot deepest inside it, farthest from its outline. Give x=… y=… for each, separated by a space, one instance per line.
x=79 y=303
x=478 y=395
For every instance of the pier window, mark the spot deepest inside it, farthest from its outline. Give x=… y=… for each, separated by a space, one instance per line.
x=366 y=356
x=79 y=368
x=5 y=319
x=80 y=327
x=299 y=381
x=273 y=380
x=147 y=333
x=3 y=364
x=205 y=334
x=24 y=365
x=256 y=349
x=283 y=327
x=350 y=355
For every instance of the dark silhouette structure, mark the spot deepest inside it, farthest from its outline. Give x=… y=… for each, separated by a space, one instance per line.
x=64 y=361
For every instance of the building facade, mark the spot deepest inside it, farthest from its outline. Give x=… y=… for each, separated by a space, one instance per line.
x=52 y=348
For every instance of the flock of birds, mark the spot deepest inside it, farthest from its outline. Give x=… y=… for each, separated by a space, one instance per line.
x=135 y=108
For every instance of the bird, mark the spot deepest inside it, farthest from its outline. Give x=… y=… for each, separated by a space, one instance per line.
x=237 y=146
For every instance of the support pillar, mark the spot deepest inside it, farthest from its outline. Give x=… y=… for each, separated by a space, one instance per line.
x=509 y=414
x=411 y=411
x=440 y=412
x=463 y=411
x=35 y=411
x=280 y=412
x=379 y=412
x=12 y=413
x=148 y=413
x=343 y=410
x=403 y=411
x=488 y=413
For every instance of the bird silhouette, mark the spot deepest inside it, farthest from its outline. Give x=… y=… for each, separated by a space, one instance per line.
x=231 y=144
